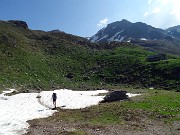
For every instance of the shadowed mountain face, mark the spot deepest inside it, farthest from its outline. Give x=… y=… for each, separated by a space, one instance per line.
x=174 y=31
x=159 y=40
x=125 y=31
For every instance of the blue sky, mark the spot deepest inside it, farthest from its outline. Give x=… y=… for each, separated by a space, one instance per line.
x=85 y=17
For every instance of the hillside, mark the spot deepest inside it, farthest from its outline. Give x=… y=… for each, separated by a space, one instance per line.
x=44 y=60
x=37 y=58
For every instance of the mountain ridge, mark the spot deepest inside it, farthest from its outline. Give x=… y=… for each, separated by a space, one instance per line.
x=163 y=41
x=130 y=31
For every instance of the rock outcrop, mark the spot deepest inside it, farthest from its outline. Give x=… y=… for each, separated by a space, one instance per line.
x=155 y=58
x=18 y=23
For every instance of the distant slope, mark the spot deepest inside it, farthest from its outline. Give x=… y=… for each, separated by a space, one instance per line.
x=174 y=31
x=125 y=31
x=45 y=60
x=166 y=41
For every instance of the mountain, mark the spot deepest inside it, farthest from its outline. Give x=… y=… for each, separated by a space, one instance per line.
x=35 y=59
x=174 y=31
x=125 y=31
x=151 y=38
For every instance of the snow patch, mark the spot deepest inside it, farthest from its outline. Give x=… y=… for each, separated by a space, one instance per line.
x=19 y=108
x=119 y=40
x=129 y=41
x=114 y=27
x=102 y=38
x=144 y=39
x=94 y=38
x=132 y=95
x=73 y=99
x=116 y=36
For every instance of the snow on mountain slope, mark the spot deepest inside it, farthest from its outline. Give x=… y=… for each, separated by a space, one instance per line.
x=125 y=30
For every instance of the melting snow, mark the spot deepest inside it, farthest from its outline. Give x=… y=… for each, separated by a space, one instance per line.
x=94 y=38
x=116 y=35
x=129 y=41
x=144 y=39
x=132 y=95
x=102 y=38
x=19 y=108
x=114 y=27
x=119 y=40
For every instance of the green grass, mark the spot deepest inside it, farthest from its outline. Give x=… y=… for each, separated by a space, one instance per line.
x=41 y=60
x=152 y=105
x=105 y=118
x=154 y=108
x=163 y=103
x=127 y=65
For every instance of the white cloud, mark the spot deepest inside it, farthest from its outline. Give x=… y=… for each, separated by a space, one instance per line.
x=146 y=14
x=102 y=22
x=149 y=2
x=162 y=13
x=165 y=2
x=156 y=10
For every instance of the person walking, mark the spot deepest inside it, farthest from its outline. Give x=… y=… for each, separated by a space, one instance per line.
x=54 y=97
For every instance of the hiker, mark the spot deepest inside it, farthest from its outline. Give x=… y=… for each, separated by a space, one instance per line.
x=54 y=97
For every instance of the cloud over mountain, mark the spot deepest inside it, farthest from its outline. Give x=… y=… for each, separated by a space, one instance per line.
x=162 y=13
x=102 y=22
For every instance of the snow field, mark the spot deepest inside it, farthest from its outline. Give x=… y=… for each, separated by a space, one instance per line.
x=16 y=110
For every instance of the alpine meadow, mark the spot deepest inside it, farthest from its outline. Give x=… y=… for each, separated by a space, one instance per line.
x=34 y=61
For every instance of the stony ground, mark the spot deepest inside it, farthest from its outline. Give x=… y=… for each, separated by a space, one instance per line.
x=116 y=118
x=130 y=127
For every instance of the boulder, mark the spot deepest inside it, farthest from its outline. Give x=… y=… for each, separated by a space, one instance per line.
x=155 y=58
x=115 y=96
x=18 y=23
x=70 y=75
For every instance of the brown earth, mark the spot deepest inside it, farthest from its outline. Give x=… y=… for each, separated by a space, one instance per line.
x=131 y=126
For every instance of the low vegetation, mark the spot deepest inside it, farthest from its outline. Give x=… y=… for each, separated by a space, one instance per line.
x=154 y=104
x=46 y=60
x=152 y=110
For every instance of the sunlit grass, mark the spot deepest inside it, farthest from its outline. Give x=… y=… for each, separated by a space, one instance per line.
x=164 y=103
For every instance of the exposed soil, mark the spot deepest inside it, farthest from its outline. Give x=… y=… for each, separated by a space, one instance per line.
x=143 y=126
x=134 y=122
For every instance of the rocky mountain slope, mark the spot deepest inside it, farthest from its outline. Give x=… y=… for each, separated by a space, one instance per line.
x=159 y=40
x=125 y=31
x=174 y=31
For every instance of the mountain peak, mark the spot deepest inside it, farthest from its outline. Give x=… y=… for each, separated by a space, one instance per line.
x=124 y=30
x=126 y=21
